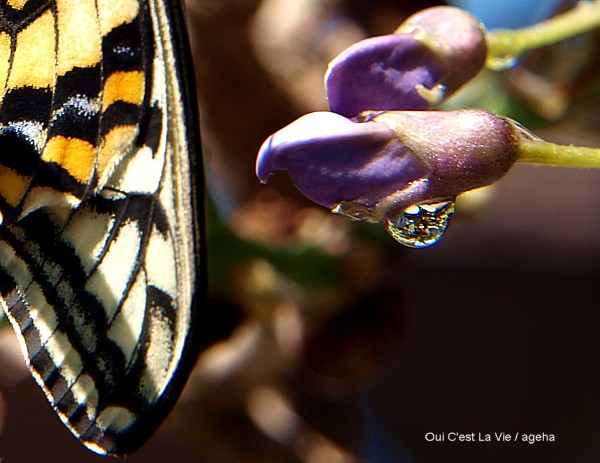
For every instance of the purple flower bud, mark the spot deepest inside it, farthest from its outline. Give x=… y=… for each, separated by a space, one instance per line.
x=456 y=37
x=464 y=149
x=332 y=159
x=430 y=56
x=390 y=160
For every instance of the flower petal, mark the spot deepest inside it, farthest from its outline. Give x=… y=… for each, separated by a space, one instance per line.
x=465 y=149
x=382 y=73
x=332 y=159
x=456 y=37
x=432 y=54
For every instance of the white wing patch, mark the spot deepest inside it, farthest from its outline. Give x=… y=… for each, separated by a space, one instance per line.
x=85 y=392
x=162 y=273
x=115 y=418
x=64 y=356
x=126 y=328
x=88 y=235
x=43 y=314
x=111 y=278
x=18 y=268
x=140 y=173
x=159 y=359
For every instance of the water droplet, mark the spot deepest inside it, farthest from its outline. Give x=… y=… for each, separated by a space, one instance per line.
x=423 y=224
x=434 y=95
x=502 y=62
x=352 y=210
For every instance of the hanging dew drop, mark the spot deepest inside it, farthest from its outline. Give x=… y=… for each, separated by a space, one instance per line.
x=503 y=50
x=433 y=96
x=353 y=211
x=502 y=62
x=421 y=225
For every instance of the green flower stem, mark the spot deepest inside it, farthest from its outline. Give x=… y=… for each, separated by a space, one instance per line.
x=505 y=46
x=543 y=152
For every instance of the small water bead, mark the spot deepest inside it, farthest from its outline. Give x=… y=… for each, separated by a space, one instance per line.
x=502 y=62
x=434 y=96
x=421 y=225
x=353 y=211
x=504 y=48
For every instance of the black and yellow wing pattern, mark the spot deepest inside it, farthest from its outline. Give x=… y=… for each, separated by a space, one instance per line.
x=100 y=238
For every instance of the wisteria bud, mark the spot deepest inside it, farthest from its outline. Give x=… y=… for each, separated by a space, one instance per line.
x=430 y=56
x=390 y=160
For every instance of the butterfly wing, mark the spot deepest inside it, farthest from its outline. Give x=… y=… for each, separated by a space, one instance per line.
x=100 y=253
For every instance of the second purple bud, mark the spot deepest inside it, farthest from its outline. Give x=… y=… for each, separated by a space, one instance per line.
x=430 y=56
